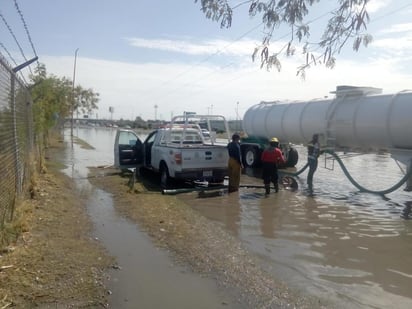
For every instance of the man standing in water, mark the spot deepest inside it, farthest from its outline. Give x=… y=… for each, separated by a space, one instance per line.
x=313 y=154
x=271 y=157
x=235 y=163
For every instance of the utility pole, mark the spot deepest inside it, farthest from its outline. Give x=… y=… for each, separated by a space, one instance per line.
x=237 y=116
x=155 y=107
x=73 y=97
x=111 y=111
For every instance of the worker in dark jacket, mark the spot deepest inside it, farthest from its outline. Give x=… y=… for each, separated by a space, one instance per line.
x=235 y=163
x=271 y=158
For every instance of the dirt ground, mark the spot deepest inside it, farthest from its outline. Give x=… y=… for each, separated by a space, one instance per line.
x=56 y=263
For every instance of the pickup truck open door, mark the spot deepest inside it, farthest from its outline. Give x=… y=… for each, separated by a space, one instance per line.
x=128 y=150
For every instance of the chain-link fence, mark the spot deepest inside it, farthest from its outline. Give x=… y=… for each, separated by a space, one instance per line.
x=16 y=141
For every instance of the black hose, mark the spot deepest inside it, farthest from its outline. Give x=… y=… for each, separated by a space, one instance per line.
x=294 y=173
x=363 y=189
x=352 y=180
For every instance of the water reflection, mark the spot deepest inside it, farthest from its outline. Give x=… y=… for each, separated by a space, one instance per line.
x=351 y=247
x=406 y=212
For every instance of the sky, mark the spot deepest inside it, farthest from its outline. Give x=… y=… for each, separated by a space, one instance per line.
x=157 y=59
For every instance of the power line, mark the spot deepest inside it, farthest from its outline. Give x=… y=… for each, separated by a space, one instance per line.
x=205 y=60
x=276 y=40
x=224 y=48
x=371 y=22
x=391 y=13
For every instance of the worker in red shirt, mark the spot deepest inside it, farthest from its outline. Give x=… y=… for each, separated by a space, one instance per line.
x=271 y=157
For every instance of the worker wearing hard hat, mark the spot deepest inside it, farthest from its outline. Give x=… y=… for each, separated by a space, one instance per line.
x=271 y=157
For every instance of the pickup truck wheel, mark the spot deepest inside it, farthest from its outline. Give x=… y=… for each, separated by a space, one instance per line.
x=250 y=157
x=164 y=177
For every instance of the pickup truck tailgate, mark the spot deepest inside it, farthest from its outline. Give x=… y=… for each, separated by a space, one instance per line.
x=213 y=157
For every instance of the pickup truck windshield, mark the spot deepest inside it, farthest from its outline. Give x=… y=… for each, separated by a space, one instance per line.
x=190 y=137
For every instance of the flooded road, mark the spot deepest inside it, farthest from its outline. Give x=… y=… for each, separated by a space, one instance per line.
x=351 y=248
x=145 y=276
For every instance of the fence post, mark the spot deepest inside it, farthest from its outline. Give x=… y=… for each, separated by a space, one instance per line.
x=18 y=177
x=15 y=137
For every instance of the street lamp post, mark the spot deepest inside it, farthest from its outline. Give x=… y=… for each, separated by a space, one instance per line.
x=155 y=107
x=73 y=98
x=237 y=116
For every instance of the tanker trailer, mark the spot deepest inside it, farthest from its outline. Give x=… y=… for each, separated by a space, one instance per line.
x=358 y=119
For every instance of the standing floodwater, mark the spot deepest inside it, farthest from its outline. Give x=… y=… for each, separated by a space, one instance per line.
x=352 y=248
x=144 y=276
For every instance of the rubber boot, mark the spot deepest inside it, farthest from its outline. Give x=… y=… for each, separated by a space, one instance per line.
x=276 y=187
x=267 y=189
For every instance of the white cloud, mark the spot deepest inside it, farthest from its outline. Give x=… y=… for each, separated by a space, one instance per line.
x=189 y=47
x=134 y=89
x=395 y=44
x=242 y=47
x=172 y=45
x=398 y=28
x=377 y=5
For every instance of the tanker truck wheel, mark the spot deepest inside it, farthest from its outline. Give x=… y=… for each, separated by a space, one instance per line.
x=251 y=157
x=293 y=158
x=289 y=183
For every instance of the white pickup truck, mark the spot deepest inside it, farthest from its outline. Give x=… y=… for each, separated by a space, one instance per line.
x=179 y=151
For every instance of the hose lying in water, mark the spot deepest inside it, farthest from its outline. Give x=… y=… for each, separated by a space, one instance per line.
x=363 y=189
x=186 y=190
x=202 y=189
x=352 y=180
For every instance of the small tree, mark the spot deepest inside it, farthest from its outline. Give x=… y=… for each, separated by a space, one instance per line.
x=347 y=22
x=55 y=98
x=51 y=99
x=85 y=100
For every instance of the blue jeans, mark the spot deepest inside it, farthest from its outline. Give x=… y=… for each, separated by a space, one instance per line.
x=313 y=165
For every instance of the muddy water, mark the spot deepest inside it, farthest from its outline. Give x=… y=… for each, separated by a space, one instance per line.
x=352 y=248
x=349 y=247
x=144 y=276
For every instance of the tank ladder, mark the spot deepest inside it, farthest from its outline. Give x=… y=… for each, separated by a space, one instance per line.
x=330 y=135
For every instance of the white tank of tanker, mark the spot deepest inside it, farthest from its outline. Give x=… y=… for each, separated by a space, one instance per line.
x=358 y=118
